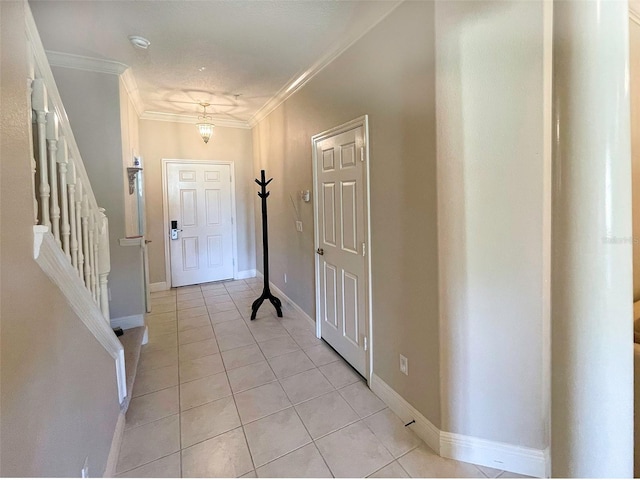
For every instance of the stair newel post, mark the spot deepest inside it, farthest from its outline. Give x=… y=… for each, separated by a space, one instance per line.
x=104 y=262
x=79 y=227
x=52 y=146
x=71 y=187
x=39 y=104
x=85 y=241
x=266 y=292
x=65 y=227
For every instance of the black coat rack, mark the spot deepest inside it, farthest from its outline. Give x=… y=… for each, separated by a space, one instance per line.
x=266 y=292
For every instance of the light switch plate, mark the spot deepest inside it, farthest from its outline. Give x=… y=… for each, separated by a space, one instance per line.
x=404 y=365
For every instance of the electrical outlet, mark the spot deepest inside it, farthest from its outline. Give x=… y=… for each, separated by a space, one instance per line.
x=404 y=365
x=299 y=226
x=84 y=473
x=285 y=278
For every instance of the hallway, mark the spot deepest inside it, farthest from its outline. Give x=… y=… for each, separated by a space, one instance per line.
x=217 y=395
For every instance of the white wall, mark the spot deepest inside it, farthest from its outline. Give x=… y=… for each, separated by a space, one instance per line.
x=490 y=114
x=634 y=93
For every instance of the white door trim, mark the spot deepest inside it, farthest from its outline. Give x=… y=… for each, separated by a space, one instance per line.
x=165 y=211
x=364 y=123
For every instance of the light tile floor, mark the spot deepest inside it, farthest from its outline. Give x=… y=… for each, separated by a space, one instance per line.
x=217 y=395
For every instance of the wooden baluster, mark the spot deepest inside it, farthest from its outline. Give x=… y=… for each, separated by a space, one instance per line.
x=91 y=255
x=104 y=263
x=65 y=227
x=78 y=200
x=71 y=187
x=31 y=149
x=39 y=105
x=52 y=144
x=85 y=241
x=94 y=259
x=96 y=256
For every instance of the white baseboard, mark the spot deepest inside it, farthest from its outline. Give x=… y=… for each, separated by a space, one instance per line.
x=279 y=293
x=131 y=321
x=423 y=427
x=502 y=456
x=241 y=275
x=158 y=287
x=114 y=452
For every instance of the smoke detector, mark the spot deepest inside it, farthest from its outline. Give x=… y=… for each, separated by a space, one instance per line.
x=139 y=42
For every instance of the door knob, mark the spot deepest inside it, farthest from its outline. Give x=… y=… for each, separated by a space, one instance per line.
x=147 y=242
x=320 y=251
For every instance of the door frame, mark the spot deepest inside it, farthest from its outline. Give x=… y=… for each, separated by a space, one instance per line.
x=165 y=211
x=363 y=122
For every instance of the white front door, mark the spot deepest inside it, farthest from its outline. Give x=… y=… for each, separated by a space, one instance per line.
x=199 y=200
x=341 y=226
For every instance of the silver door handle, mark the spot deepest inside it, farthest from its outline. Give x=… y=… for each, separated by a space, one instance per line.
x=320 y=251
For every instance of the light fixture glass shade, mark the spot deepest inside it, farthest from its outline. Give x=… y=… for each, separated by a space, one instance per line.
x=205 y=127
x=206 y=130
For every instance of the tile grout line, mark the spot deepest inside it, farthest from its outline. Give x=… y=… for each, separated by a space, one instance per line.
x=279 y=380
x=164 y=456
x=244 y=433
x=315 y=366
x=179 y=390
x=313 y=441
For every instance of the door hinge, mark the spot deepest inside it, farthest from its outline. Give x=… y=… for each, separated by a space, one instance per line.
x=364 y=249
x=366 y=346
x=362 y=154
x=231 y=220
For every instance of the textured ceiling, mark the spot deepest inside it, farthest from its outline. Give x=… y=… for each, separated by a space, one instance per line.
x=237 y=55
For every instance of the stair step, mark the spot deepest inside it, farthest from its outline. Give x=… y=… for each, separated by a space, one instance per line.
x=132 y=343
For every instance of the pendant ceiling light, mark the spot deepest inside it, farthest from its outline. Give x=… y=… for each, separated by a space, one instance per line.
x=205 y=127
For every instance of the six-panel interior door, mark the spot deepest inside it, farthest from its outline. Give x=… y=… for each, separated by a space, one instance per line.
x=199 y=198
x=340 y=187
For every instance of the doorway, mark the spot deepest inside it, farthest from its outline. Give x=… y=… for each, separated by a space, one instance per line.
x=342 y=239
x=199 y=208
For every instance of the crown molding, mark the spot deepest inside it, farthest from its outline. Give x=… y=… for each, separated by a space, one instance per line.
x=177 y=118
x=79 y=62
x=300 y=80
x=131 y=86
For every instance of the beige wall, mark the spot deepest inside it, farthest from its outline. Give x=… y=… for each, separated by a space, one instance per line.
x=92 y=102
x=389 y=75
x=491 y=219
x=160 y=140
x=130 y=148
x=59 y=401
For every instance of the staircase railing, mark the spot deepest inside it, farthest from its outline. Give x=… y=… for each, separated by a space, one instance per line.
x=70 y=230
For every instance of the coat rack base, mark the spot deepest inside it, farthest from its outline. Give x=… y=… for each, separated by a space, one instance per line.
x=266 y=295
